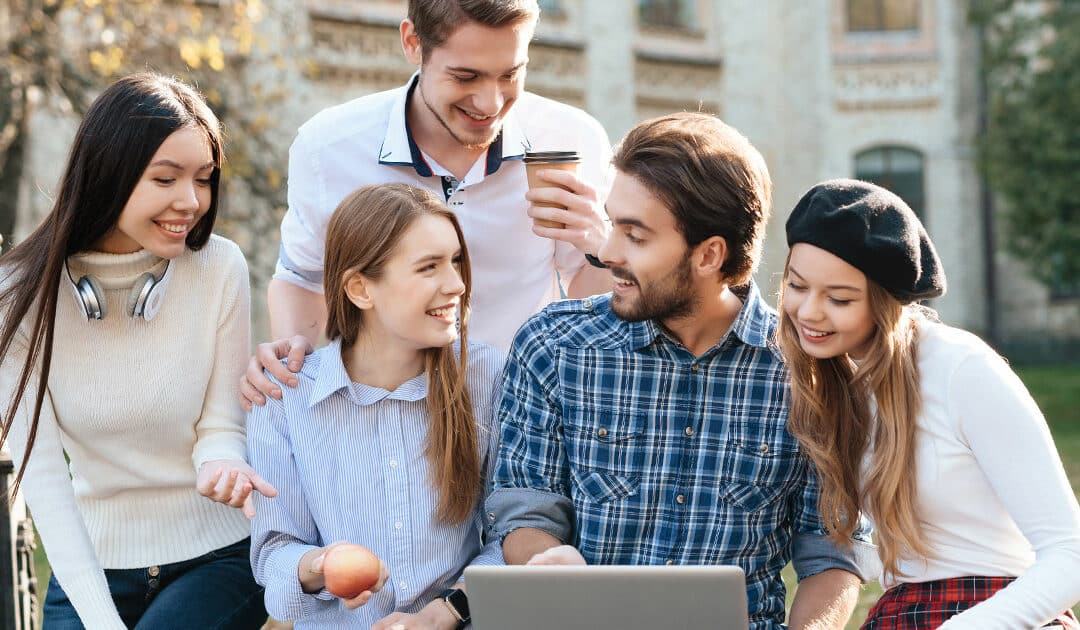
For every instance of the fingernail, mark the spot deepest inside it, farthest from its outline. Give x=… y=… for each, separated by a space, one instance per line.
x=294 y=365
x=292 y=382
x=276 y=393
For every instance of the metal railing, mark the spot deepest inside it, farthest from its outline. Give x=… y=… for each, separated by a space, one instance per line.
x=18 y=587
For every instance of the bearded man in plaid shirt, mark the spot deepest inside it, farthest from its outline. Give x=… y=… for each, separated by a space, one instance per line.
x=648 y=426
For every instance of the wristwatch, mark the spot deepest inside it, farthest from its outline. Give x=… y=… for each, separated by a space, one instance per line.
x=458 y=603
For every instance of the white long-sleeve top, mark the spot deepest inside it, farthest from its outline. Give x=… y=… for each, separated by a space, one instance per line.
x=138 y=406
x=993 y=497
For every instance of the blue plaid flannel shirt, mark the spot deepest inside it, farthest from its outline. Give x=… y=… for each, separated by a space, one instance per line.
x=619 y=441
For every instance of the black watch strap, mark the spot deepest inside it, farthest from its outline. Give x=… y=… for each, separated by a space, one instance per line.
x=458 y=602
x=595 y=262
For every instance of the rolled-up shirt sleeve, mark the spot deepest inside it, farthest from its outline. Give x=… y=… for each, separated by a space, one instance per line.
x=303 y=228
x=531 y=482
x=812 y=551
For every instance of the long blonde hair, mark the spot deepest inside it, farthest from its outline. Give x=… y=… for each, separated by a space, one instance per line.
x=363 y=233
x=831 y=416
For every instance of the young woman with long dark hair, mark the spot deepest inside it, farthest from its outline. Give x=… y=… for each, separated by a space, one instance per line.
x=388 y=439
x=921 y=425
x=125 y=324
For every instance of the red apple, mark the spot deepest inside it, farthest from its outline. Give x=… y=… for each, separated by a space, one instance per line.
x=350 y=570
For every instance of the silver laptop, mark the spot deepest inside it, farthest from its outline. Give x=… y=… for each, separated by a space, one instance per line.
x=602 y=597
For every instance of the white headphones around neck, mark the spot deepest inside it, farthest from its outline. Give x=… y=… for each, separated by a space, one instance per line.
x=144 y=301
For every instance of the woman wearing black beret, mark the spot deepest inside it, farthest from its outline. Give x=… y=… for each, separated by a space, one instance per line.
x=921 y=426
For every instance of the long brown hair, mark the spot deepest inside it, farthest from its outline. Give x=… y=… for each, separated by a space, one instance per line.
x=363 y=233
x=116 y=140
x=832 y=418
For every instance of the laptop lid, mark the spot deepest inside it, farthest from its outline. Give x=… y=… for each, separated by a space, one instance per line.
x=601 y=597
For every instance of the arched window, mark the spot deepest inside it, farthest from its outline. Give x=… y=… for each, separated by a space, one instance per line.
x=882 y=15
x=896 y=168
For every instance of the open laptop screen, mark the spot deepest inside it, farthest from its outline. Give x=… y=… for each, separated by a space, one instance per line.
x=601 y=597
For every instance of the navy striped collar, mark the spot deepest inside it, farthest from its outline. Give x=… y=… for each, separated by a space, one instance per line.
x=400 y=149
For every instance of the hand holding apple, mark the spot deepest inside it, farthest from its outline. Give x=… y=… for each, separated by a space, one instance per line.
x=349 y=571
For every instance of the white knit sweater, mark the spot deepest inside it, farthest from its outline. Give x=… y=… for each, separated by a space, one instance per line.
x=138 y=406
x=993 y=497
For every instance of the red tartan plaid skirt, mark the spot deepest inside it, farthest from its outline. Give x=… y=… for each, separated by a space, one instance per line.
x=927 y=605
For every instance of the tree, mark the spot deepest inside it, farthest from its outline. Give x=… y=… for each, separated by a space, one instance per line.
x=65 y=51
x=1030 y=153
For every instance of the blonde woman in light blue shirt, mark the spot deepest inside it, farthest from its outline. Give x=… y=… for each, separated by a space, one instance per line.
x=388 y=437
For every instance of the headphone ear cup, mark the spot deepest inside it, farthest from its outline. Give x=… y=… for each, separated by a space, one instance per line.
x=92 y=297
x=140 y=294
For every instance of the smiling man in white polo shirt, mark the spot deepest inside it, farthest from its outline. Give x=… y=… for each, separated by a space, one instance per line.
x=459 y=127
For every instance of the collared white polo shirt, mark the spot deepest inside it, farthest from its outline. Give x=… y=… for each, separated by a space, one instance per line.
x=367 y=141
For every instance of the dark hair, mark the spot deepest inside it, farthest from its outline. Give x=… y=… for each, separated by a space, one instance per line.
x=362 y=235
x=711 y=178
x=119 y=135
x=435 y=20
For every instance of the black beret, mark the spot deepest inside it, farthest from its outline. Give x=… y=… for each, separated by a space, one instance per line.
x=874 y=231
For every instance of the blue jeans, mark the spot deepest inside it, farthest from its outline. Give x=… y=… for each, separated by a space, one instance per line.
x=215 y=590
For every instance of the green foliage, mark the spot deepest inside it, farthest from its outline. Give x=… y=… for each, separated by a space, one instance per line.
x=1030 y=152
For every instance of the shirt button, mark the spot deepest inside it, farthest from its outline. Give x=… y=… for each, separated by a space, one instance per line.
x=695 y=367
x=689 y=431
x=397 y=525
x=680 y=499
x=403 y=586
x=601 y=432
x=393 y=463
x=587 y=303
x=670 y=562
x=764 y=448
x=154 y=571
x=491 y=516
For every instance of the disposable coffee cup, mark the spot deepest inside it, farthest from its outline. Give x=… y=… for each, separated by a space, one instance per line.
x=536 y=161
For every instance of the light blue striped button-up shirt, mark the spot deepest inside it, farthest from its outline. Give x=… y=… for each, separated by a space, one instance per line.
x=348 y=462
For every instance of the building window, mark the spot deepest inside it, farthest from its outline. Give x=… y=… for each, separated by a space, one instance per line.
x=896 y=168
x=678 y=14
x=882 y=15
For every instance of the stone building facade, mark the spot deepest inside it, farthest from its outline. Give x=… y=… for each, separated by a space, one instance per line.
x=881 y=89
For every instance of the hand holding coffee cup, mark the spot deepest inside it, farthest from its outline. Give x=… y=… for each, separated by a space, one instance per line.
x=536 y=161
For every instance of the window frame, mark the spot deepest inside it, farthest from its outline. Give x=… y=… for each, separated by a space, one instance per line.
x=882 y=16
x=685 y=23
x=887 y=175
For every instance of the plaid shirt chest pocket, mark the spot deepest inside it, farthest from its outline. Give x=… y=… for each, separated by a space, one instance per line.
x=756 y=471
x=607 y=451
